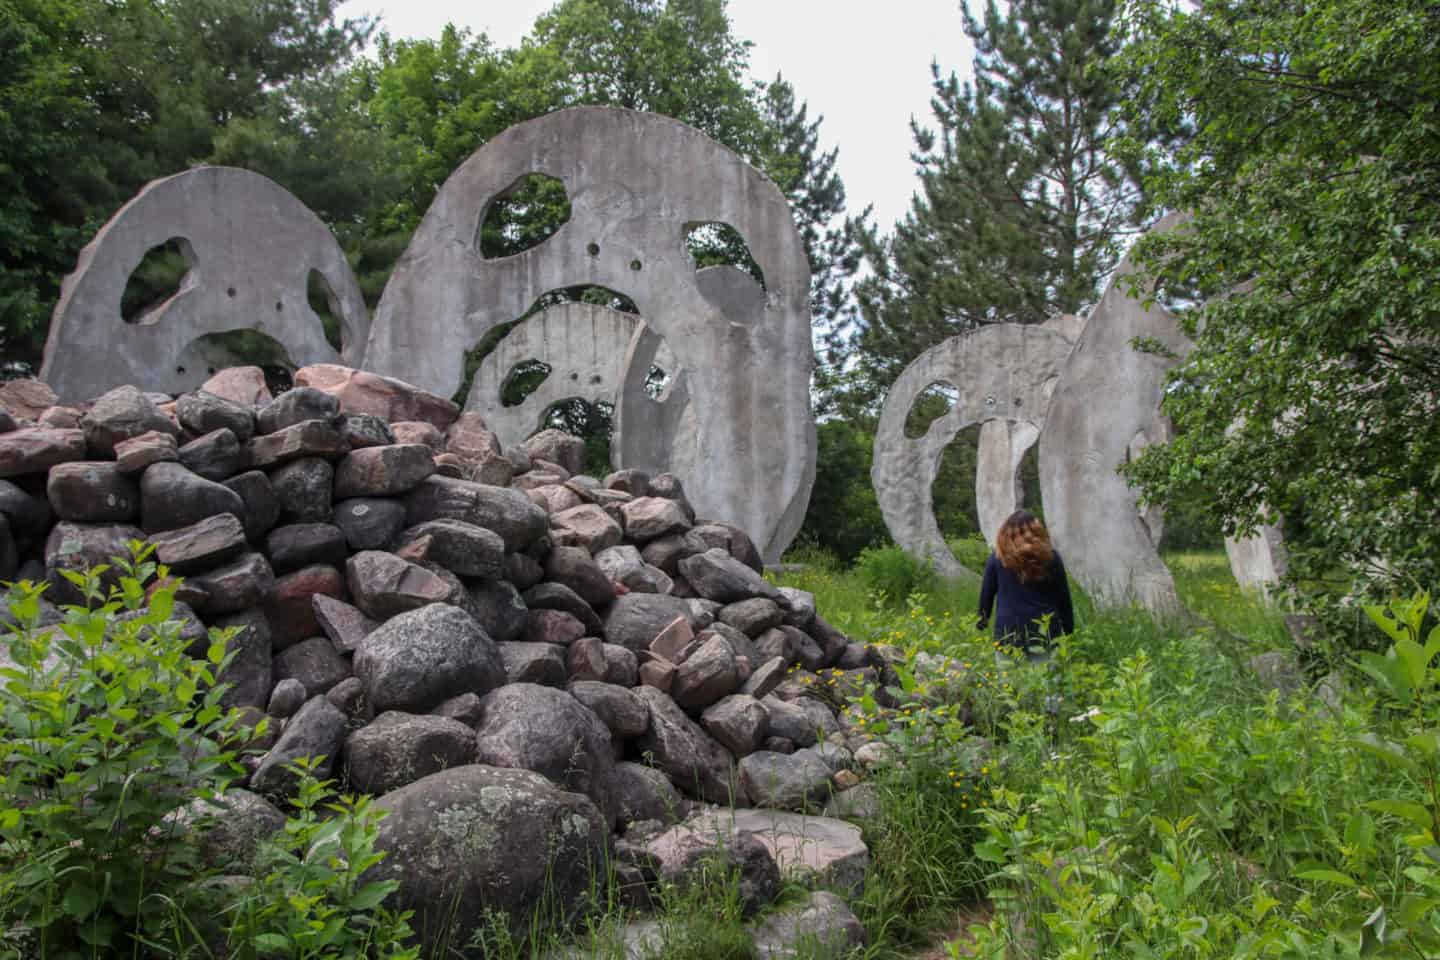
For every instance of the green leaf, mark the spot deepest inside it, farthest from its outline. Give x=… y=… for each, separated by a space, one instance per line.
x=80 y=901
x=1413 y=812
x=1327 y=876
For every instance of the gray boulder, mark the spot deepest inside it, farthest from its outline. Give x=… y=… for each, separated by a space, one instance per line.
x=202 y=412
x=172 y=496
x=636 y=619
x=497 y=605
x=463 y=548
x=529 y=727
x=780 y=782
x=621 y=711
x=502 y=510
x=317 y=731
x=468 y=841
x=383 y=585
x=542 y=663
x=122 y=413
x=690 y=757
x=738 y=722
x=716 y=575
x=92 y=491
x=415 y=660
x=397 y=748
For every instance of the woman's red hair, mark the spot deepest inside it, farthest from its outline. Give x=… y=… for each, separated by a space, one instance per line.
x=1024 y=547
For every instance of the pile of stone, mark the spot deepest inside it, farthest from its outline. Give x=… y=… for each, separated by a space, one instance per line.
x=512 y=654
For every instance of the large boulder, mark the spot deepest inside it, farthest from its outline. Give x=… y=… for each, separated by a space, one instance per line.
x=687 y=857
x=313 y=662
x=716 y=575
x=576 y=569
x=636 y=619
x=470 y=841
x=706 y=675
x=531 y=727
x=383 y=471
x=399 y=748
x=559 y=447
x=557 y=596
x=686 y=754
x=620 y=710
x=360 y=391
x=122 y=413
x=460 y=547
x=500 y=509
x=75 y=547
x=37 y=449
x=497 y=606
x=644 y=793
x=781 y=781
x=650 y=518
x=202 y=412
x=317 y=731
x=738 y=722
x=172 y=496
x=586 y=526
x=296 y=406
x=416 y=660
x=92 y=491
x=383 y=585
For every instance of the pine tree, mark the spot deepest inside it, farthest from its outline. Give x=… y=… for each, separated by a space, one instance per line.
x=1021 y=210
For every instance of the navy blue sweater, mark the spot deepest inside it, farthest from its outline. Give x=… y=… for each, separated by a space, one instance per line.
x=1021 y=605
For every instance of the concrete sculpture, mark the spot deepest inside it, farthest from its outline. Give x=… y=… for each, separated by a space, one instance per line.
x=1107 y=397
x=587 y=348
x=637 y=184
x=251 y=246
x=1003 y=374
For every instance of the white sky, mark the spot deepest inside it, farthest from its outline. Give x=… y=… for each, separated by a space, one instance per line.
x=864 y=66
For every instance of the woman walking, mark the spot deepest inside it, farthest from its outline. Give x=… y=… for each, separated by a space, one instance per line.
x=1025 y=582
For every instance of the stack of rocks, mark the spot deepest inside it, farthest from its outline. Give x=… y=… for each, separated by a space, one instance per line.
x=434 y=614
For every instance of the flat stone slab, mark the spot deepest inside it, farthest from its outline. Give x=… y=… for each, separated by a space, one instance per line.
x=828 y=852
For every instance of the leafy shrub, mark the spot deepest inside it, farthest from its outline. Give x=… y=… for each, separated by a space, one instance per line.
x=309 y=899
x=106 y=725
x=895 y=574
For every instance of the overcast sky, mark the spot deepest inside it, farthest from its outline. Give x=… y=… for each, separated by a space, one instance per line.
x=864 y=66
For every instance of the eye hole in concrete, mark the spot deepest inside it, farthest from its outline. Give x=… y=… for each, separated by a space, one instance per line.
x=235 y=348
x=592 y=422
x=326 y=306
x=636 y=265
x=930 y=404
x=713 y=244
x=161 y=275
x=657 y=381
x=593 y=249
x=953 y=493
x=583 y=293
x=524 y=215
x=523 y=379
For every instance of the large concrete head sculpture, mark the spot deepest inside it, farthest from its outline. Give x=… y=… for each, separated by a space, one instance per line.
x=1103 y=408
x=637 y=185
x=251 y=248
x=1003 y=375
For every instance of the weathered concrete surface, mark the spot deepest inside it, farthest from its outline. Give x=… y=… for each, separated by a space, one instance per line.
x=1003 y=371
x=636 y=183
x=252 y=246
x=587 y=347
x=1258 y=562
x=1108 y=394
